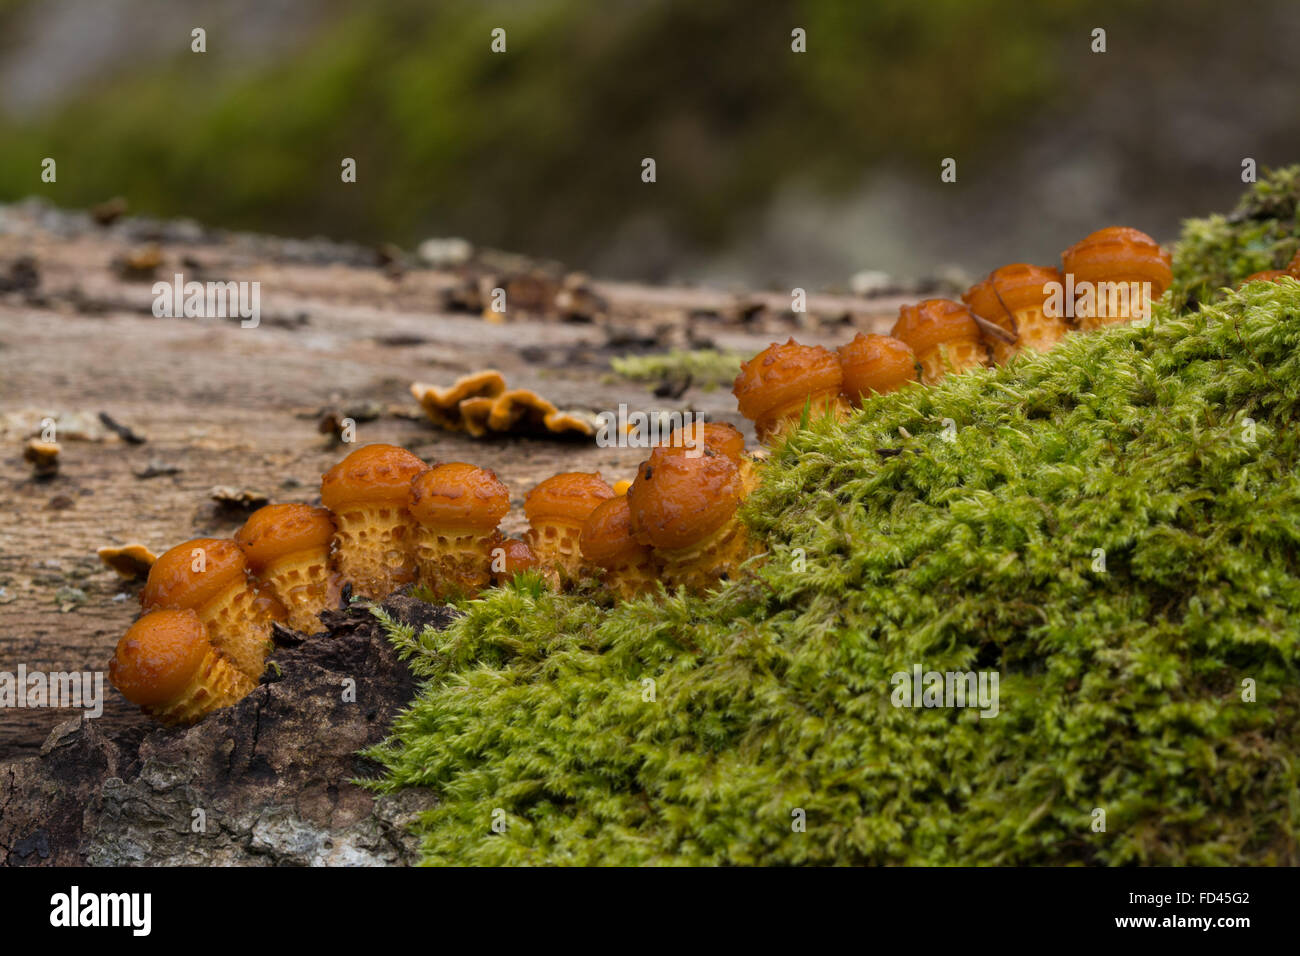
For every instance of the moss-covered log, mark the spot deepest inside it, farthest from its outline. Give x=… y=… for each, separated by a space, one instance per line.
x=1112 y=528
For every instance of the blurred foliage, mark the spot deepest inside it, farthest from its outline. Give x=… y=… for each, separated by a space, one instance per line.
x=540 y=149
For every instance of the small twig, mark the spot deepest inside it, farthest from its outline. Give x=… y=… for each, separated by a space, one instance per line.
x=122 y=431
x=995 y=330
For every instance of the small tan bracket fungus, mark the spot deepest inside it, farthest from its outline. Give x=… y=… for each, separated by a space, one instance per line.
x=525 y=412
x=139 y=264
x=442 y=405
x=481 y=405
x=475 y=413
x=130 y=561
x=43 y=456
x=517 y=407
x=237 y=499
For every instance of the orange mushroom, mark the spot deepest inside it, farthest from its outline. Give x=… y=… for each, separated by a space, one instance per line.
x=165 y=664
x=607 y=542
x=373 y=543
x=775 y=386
x=511 y=557
x=556 y=510
x=456 y=508
x=1013 y=298
x=685 y=509
x=1116 y=272
x=875 y=364
x=288 y=548
x=714 y=438
x=1268 y=275
x=943 y=334
x=210 y=577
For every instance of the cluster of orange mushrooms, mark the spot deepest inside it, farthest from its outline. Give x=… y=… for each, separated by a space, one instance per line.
x=998 y=317
x=389 y=520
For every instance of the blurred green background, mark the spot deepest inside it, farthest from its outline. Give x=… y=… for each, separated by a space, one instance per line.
x=774 y=168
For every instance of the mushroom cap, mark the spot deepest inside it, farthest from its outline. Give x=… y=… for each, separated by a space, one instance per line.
x=1009 y=289
x=173 y=582
x=781 y=374
x=677 y=501
x=458 y=495
x=1116 y=254
x=375 y=474
x=1293 y=267
x=158 y=655
x=518 y=557
x=717 y=438
x=277 y=530
x=607 y=534
x=569 y=496
x=1268 y=275
x=876 y=363
x=933 y=322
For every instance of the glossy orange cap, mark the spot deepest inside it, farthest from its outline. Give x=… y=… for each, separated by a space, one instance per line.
x=718 y=438
x=607 y=534
x=676 y=501
x=569 y=496
x=876 y=363
x=1268 y=275
x=1119 y=254
x=519 y=557
x=375 y=474
x=157 y=658
x=174 y=583
x=781 y=374
x=277 y=530
x=458 y=495
x=1010 y=289
x=933 y=322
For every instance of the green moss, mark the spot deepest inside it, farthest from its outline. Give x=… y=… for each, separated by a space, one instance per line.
x=1263 y=232
x=707 y=368
x=1119 y=690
